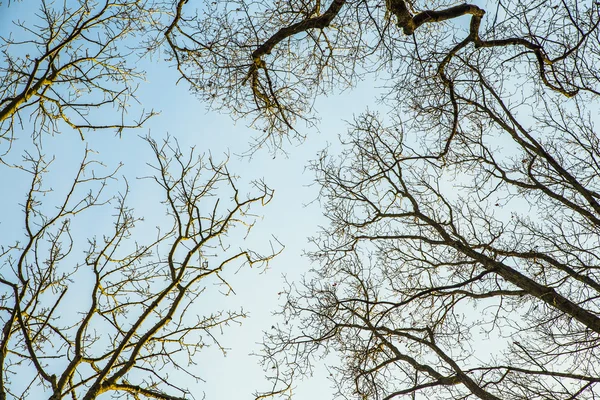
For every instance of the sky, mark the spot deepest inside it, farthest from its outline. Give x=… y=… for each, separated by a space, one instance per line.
x=291 y=217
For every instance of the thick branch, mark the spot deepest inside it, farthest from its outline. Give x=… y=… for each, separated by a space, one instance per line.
x=410 y=23
x=320 y=22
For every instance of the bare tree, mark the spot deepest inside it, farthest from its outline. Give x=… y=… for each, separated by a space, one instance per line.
x=271 y=59
x=71 y=63
x=122 y=311
x=474 y=275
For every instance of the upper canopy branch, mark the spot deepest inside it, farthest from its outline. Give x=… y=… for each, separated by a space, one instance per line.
x=319 y=22
x=409 y=23
x=265 y=94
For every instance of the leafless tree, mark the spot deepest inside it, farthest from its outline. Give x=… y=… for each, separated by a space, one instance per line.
x=70 y=64
x=125 y=311
x=473 y=275
x=461 y=257
x=270 y=59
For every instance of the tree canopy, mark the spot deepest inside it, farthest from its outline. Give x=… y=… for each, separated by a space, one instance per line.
x=461 y=256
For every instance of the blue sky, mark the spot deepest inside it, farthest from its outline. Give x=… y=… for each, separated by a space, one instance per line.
x=291 y=216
